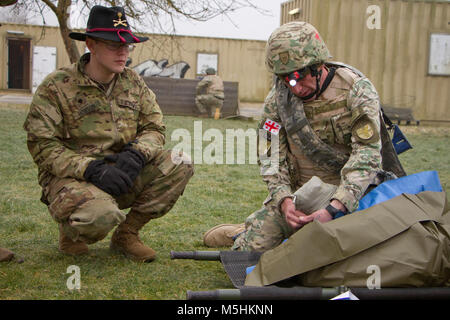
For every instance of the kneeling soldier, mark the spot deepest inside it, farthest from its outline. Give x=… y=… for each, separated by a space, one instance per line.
x=328 y=122
x=96 y=133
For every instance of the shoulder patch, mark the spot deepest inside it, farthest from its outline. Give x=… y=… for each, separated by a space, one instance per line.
x=365 y=131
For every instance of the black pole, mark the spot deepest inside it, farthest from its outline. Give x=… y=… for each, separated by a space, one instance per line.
x=265 y=293
x=431 y=293
x=196 y=255
x=317 y=293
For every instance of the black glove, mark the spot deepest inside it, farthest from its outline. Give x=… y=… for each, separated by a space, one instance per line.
x=129 y=161
x=107 y=177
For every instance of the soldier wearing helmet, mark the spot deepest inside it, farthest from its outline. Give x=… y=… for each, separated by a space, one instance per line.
x=327 y=121
x=296 y=51
x=209 y=95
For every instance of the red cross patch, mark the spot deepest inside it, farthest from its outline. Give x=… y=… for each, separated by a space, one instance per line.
x=272 y=126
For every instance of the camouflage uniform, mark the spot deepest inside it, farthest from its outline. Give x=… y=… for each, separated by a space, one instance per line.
x=346 y=118
x=74 y=120
x=209 y=95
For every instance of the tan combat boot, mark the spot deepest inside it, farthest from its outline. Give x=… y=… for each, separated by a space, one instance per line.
x=126 y=239
x=222 y=235
x=70 y=247
x=217 y=114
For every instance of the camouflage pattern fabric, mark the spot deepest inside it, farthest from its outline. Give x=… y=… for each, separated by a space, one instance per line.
x=293 y=46
x=297 y=127
x=88 y=213
x=356 y=175
x=264 y=229
x=364 y=161
x=74 y=120
x=209 y=94
x=207 y=104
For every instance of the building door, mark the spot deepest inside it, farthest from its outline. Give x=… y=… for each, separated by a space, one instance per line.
x=44 y=62
x=19 y=64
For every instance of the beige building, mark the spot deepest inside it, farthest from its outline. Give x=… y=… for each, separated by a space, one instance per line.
x=29 y=52
x=402 y=46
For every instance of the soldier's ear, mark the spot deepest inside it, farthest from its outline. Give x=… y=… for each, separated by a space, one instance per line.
x=90 y=44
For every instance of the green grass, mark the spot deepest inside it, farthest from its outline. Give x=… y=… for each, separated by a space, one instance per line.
x=431 y=151
x=216 y=194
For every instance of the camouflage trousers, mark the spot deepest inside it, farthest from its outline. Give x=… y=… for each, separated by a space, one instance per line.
x=207 y=104
x=87 y=213
x=264 y=230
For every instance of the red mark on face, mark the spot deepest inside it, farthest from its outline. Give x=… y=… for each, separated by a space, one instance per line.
x=317 y=36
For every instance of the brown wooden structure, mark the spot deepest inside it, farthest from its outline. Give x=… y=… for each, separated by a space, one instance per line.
x=177 y=96
x=400 y=114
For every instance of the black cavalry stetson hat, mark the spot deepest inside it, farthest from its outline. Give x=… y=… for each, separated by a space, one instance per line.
x=108 y=24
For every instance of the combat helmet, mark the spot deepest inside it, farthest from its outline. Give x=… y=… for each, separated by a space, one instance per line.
x=210 y=71
x=293 y=46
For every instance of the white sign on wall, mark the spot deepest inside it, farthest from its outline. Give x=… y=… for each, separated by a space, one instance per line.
x=44 y=62
x=205 y=61
x=439 y=63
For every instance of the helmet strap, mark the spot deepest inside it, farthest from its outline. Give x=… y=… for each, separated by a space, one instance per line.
x=320 y=89
x=318 y=75
x=327 y=81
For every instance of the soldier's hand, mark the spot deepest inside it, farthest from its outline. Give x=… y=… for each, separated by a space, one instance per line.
x=321 y=215
x=108 y=178
x=292 y=216
x=129 y=161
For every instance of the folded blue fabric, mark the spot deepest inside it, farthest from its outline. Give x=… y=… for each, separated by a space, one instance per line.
x=413 y=184
x=249 y=269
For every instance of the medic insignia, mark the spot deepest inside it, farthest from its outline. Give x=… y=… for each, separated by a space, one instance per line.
x=284 y=57
x=272 y=126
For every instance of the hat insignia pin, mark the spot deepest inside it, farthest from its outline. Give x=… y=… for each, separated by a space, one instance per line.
x=284 y=57
x=120 y=21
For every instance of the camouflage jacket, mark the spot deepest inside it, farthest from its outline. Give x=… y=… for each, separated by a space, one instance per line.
x=211 y=84
x=72 y=120
x=364 y=158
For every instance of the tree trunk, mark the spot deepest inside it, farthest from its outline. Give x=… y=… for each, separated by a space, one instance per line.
x=63 y=15
x=69 y=43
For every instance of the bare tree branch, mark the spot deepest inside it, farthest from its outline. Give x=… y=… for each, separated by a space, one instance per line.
x=145 y=16
x=50 y=5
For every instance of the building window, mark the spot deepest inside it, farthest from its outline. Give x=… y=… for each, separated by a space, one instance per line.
x=205 y=61
x=439 y=57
